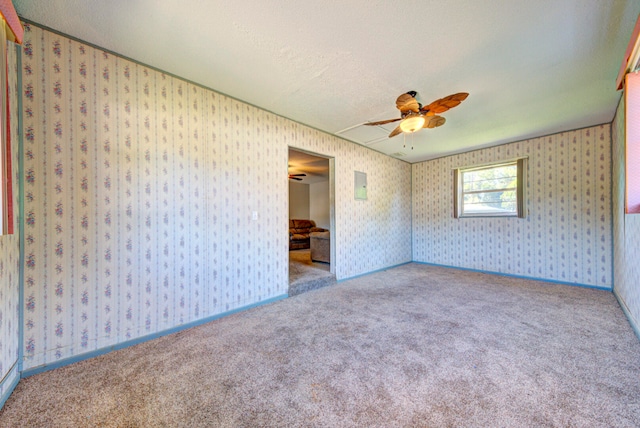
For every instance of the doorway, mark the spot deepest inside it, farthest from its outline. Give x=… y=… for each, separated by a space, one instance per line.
x=311 y=221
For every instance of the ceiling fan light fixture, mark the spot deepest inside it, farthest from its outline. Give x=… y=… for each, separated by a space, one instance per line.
x=412 y=124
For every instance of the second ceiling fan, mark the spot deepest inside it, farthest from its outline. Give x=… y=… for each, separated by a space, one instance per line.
x=295 y=176
x=414 y=116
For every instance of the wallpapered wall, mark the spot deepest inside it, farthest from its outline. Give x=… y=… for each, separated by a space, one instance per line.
x=567 y=234
x=10 y=259
x=139 y=190
x=626 y=229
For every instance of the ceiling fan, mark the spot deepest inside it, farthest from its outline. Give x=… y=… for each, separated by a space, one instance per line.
x=415 y=116
x=295 y=176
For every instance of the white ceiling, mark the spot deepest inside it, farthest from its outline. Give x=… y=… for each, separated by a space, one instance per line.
x=531 y=67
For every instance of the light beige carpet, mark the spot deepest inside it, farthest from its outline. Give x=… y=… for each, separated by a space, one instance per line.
x=414 y=346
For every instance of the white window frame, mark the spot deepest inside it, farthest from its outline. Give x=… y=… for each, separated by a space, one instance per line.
x=520 y=189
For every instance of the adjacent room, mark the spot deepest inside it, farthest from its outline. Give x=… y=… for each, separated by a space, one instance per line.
x=310 y=219
x=318 y=214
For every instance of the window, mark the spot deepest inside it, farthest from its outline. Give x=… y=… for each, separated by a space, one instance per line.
x=6 y=191
x=632 y=143
x=629 y=79
x=495 y=190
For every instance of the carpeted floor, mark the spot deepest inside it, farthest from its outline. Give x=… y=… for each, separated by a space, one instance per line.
x=411 y=346
x=305 y=274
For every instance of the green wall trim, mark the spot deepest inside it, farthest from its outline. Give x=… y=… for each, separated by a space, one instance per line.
x=20 y=218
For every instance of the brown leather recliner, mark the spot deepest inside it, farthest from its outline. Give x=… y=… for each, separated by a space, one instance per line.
x=299 y=231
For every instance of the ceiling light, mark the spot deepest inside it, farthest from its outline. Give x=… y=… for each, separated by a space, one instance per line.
x=412 y=124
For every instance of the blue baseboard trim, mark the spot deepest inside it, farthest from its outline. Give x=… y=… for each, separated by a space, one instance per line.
x=66 y=361
x=373 y=271
x=533 y=278
x=10 y=387
x=627 y=313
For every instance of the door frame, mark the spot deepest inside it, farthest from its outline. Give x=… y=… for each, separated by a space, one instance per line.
x=332 y=204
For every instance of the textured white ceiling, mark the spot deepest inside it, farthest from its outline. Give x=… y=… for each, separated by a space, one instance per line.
x=531 y=67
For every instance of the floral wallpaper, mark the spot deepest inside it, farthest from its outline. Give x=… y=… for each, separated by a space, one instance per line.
x=626 y=227
x=10 y=257
x=566 y=236
x=139 y=193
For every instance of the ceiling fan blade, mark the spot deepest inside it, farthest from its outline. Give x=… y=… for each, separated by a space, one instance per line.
x=395 y=132
x=382 y=122
x=434 y=122
x=446 y=103
x=295 y=178
x=406 y=102
x=297 y=175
